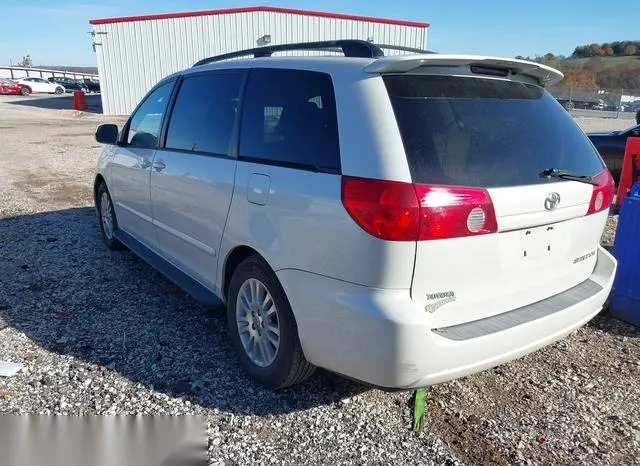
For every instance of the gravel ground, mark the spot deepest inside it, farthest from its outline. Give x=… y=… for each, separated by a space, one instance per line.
x=102 y=333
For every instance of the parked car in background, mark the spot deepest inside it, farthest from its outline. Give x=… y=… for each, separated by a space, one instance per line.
x=69 y=84
x=9 y=87
x=42 y=85
x=611 y=147
x=92 y=85
x=402 y=220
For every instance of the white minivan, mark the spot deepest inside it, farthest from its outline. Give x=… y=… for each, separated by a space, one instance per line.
x=402 y=220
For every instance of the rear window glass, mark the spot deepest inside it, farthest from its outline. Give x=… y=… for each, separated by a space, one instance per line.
x=470 y=131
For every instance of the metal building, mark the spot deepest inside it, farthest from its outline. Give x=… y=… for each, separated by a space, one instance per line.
x=133 y=53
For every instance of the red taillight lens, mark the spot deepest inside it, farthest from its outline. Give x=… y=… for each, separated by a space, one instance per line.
x=602 y=196
x=397 y=211
x=386 y=209
x=453 y=212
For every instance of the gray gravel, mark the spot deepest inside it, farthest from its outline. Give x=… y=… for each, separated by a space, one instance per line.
x=102 y=333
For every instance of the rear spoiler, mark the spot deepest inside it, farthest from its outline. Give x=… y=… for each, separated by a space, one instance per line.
x=544 y=75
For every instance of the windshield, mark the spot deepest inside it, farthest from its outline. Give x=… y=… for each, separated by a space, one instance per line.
x=470 y=131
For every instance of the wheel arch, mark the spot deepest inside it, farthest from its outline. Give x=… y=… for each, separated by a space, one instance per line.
x=96 y=184
x=231 y=263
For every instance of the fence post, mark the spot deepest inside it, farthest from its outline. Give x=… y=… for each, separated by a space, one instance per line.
x=571 y=98
x=620 y=102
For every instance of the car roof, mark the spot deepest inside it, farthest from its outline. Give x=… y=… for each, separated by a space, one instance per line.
x=327 y=64
x=338 y=64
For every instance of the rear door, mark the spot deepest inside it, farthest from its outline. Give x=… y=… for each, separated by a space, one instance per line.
x=192 y=177
x=479 y=147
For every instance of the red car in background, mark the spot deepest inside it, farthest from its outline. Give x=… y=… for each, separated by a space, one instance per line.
x=8 y=87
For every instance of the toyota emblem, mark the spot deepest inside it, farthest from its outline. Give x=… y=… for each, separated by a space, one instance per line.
x=552 y=201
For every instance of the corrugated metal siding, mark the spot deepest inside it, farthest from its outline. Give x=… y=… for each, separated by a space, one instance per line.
x=136 y=55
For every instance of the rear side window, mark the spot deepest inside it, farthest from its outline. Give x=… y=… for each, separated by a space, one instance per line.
x=477 y=132
x=204 y=114
x=289 y=118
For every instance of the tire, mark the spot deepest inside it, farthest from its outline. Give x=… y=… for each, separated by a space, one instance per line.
x=107 y=219
x=59 y=90
x=24 y=91
x=288 y=365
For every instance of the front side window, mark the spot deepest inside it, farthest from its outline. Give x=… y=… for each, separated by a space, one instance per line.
x=146 y=122
x=204 y=114
x=289 y=118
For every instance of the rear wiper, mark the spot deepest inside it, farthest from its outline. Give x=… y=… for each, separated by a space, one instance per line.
x=566 y=175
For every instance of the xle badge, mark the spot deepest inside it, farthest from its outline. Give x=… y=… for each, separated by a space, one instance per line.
x=443 y=297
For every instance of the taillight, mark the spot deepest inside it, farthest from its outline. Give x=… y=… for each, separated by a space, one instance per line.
x=452 y=212
x=385 y=209
x=398 y=211
x=602 y=196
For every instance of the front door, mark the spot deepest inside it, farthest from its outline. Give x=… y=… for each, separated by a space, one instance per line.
x=131 y=166
x=192 y=177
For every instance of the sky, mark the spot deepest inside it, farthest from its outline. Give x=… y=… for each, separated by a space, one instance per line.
x=55 y=32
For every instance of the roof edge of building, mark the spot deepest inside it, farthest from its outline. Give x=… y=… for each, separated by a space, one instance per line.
x=226 y=11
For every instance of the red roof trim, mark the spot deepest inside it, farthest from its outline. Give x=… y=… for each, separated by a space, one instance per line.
x=293 y=11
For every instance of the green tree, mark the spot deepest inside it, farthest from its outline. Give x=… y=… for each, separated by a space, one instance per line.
x=26 y=62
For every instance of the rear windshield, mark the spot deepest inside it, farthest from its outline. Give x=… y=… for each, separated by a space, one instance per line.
x=470 y=131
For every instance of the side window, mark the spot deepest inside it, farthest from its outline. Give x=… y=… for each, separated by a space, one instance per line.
x=289 y=117
x=204 y=115
x=144 y=128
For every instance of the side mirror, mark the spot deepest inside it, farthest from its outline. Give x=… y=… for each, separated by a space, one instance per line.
x=107 y=134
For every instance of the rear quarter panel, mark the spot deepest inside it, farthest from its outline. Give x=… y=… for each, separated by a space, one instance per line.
x=370 y=141
x=304 y=226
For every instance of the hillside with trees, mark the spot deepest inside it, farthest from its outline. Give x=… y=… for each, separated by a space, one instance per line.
x=625 y=48
x=614 y=65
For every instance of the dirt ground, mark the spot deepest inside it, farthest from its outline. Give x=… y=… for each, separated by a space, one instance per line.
x=603 y=124
x=48 y=155
x=102 y=333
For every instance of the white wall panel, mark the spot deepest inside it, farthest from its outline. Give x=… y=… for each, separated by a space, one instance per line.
x=134 y=55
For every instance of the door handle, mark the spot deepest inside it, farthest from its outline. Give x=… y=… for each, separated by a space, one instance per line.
x=144 y=163
x=159 y=165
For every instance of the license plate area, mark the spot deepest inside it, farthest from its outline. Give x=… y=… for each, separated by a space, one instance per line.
x=538 y=243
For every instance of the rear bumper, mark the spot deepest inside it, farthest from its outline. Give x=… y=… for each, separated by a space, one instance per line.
x=383 y=338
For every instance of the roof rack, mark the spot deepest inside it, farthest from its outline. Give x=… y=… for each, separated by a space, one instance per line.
x=403 y=48
x=350 y=48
